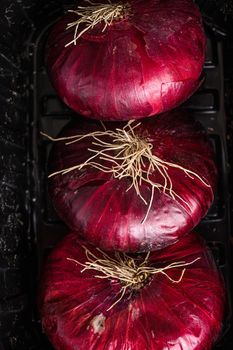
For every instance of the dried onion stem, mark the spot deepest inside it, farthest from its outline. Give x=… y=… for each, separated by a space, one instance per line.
x=95 y=14
x=129 y=271
x=127 y=155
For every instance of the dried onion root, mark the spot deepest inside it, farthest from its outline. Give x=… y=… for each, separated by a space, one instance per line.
x=128 y=271
x=95 y=14
x=128 y=155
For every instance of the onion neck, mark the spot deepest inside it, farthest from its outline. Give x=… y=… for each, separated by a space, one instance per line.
x=96 y=13
x=132 y=273
x=126 y=154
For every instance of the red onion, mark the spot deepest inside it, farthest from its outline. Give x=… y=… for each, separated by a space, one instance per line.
x=147 y=61
x=114 y=205
x=180 y=307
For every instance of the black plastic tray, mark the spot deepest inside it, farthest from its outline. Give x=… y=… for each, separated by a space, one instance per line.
x=207 y=105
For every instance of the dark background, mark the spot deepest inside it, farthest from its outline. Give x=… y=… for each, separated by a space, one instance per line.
x=19 y=20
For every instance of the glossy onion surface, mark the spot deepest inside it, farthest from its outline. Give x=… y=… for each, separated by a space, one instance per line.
x=107 y=213
x=162 y=315
x=145 y=64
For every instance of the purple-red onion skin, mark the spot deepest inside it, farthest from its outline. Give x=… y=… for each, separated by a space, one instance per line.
x=144 y=65
x=161 y=316
x=108 y=215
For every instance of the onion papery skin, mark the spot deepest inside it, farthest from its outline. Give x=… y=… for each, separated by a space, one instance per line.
x=160 y=316
x=143 y=65
x=98 y=205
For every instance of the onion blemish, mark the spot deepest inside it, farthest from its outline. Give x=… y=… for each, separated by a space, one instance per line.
x=98 y=324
